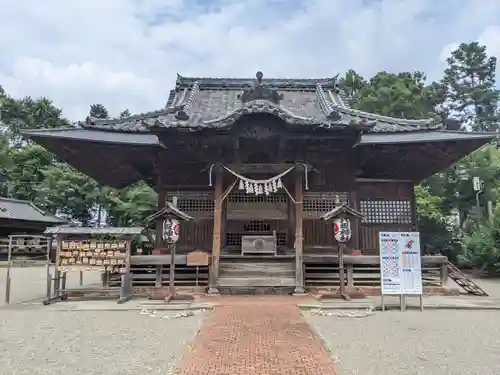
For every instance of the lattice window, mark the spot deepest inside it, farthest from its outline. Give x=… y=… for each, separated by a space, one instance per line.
x=200 y=204
x=257 y=226
x=234 y=239
x=386 y=212
x=243 y=197
x=316 y=204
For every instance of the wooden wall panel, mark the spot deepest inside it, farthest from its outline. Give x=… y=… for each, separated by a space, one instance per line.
x=195 y=235
x=397 y=194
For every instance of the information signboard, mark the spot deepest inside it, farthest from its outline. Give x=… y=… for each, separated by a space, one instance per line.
x=400 y=263
x=411 y=264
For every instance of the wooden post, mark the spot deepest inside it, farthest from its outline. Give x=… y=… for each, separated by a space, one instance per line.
x=350 y=275
x=443 y=274
x=342 y=247
x=8 y=279
x=57 y=272
x=171 y=281
x=414 y=216
x=159 y=276
x=48 y=272
x=299 y=239
x=355 y=226
x=162 y=200
x=216 y=239
x=126 y=277
x=159 y=243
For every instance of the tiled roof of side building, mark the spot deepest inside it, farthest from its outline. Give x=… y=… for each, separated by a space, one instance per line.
x=199 y=103
x=15 y=209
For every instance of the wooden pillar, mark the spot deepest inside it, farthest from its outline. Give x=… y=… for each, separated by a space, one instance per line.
x=414 y=216
x=356 y=226
x=159 y=243
x=350 y=274
x=162 y=200
x=342 y=248
x=299 y=238
x=171 y=278
x=216 y=239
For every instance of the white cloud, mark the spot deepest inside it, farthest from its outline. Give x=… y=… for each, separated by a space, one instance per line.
x=125 y=53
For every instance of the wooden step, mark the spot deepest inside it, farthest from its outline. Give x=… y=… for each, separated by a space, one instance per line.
x=257 y=270
x=282 y=290
x=256 y=258
x=256 y=281
x=463 y=281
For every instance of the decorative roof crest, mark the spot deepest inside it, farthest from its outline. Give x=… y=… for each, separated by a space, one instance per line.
x=260 y=91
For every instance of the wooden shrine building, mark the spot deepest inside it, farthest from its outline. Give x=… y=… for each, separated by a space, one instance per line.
x=257 y=162
x=20 y=217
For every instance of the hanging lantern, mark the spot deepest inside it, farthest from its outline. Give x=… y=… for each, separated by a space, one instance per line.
x=171 y=230
x=342 y=229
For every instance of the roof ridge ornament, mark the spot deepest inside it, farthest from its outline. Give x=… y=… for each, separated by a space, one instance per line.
x=260 y=91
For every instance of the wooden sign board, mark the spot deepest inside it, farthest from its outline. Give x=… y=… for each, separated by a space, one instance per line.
x=197 y=258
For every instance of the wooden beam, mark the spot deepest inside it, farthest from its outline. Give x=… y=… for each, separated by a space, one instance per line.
x=216 y=240
x=299 y=238
x=264 y=167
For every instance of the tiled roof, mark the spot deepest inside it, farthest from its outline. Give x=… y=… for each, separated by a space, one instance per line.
x=199 y=103
x=15 y=209
x=123 y=231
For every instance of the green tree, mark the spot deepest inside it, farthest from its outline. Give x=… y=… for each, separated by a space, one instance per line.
x=352 y=84
x=29 y=113
x=66 y=191
x=26 y=170
x=403 y=95
x=131 y=206
x=30 y=172
x=98 y=111
x=471 y=94
x=125 y=113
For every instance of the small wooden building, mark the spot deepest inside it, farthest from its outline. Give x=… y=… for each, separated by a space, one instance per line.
x=22 y=217
x=257 y=162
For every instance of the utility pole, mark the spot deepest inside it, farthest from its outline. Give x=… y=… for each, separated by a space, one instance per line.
x=477 y=185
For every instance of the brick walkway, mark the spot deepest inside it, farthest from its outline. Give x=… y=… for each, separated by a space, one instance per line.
x=263 y=337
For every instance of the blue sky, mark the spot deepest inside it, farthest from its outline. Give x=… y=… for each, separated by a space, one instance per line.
x=126 y=53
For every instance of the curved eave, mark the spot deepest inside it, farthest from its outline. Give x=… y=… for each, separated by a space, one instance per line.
x=416 y=155
x=133 y=139
x=113 y=159
x=424 y=136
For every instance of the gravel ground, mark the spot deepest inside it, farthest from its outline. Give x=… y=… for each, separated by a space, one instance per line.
x=37 y=342
x=30 y=283
x=443 y=342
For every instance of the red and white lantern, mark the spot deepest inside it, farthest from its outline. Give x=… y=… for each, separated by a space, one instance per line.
x=171 y=228
x=342 y=229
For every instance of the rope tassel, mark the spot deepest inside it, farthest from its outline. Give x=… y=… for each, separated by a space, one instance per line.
x=258 y=187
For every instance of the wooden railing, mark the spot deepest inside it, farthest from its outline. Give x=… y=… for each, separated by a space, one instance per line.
x=154 y=270
x=360 y=271
x=30 y=248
